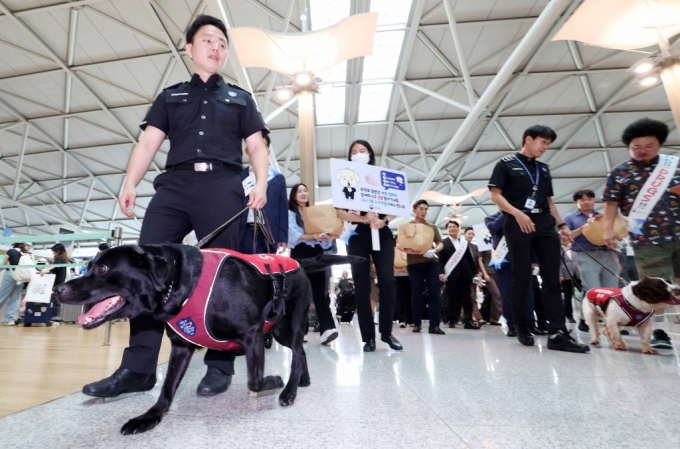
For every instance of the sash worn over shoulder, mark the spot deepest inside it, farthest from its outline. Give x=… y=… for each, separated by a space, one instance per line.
x=651 y=192
x=190 y=322
x=600 y=297
x=456 y=257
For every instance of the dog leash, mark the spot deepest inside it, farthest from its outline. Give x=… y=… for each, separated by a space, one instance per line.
x=208 y=238
x=625 y=282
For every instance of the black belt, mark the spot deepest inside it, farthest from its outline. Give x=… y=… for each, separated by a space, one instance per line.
x=536 y=210
x=251 y=225
x=200 y=166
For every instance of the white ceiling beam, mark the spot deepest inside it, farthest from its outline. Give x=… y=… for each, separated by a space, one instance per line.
x=414 y=127
x=273 y=15
x=26 y=51
x=126 y=27
x=458 y=45
x=406 y=53
x=20 y=164
x=435 y=95
x=531 y=41
x=272 y=75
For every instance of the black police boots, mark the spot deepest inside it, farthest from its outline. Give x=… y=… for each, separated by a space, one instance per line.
x=122 y=381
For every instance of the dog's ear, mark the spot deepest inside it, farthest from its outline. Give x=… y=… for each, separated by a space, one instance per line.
x=157 y=267
x=159 y=272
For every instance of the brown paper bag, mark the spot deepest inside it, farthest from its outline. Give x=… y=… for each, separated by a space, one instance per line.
x=594 y=230
x=399 y=258
x=416 y=236
x=321 y=219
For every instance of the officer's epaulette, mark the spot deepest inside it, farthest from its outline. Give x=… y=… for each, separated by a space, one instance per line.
x=508 y=158
x=239 y=88
x=175 y=86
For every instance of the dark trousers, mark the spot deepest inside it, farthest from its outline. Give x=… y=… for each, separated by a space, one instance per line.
x=425 y=273
x=261 y=246
x=545 y=244
x=184 y=201
x=458 y=295
x=503 y=279
x=568 y=292
x=403 y=312
x=541 y=318
x=318 y=281
x=360 y=245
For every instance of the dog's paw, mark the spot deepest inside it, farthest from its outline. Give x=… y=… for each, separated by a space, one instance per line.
x=287 y=398
x=140 y=425
x=649 y=350
x=620 y=346
x=594 y=342
x=305 y=381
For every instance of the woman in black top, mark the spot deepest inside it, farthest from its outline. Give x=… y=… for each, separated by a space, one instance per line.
x=60 y=257
x=360 y=245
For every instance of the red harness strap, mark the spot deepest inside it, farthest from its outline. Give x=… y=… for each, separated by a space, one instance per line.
x=600 y=297
x=190 y=322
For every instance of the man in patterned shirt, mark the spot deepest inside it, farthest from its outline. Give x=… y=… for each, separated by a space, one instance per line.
x=639 y=188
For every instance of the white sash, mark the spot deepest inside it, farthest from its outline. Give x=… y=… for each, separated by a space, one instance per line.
x=651 y=192
x=452 y=263
x=499 y=254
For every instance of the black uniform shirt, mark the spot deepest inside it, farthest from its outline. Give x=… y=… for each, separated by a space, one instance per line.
x=511 y=177
x=205 y=121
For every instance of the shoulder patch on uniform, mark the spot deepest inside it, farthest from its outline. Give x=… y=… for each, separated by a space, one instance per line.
x=234 y=86
x=175 y=86
x=508 y=158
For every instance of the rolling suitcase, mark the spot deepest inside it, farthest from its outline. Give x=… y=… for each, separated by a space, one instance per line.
x=38 y=313
x=70 y=313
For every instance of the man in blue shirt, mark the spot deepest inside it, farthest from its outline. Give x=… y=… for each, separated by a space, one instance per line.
x=597 y=264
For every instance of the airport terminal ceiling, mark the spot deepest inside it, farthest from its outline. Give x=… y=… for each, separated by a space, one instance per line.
x=77 y=77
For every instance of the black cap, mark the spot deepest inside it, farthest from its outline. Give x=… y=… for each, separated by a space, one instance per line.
x=103 y=246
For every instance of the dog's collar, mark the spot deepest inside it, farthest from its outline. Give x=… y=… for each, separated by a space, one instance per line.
x=166 y=295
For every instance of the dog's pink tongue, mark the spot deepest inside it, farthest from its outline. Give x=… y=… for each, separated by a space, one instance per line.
x=97 y=310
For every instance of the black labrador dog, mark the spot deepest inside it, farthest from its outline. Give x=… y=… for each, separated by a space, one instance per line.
x=157 y=279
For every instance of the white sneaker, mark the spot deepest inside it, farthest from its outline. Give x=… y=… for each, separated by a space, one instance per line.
x=8 y=323
x=328 y=336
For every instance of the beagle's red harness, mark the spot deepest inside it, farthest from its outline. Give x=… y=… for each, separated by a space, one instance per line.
x=600 y=297
x=190 y=322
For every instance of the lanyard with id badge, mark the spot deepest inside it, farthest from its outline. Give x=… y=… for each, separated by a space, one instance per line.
x=530 y=202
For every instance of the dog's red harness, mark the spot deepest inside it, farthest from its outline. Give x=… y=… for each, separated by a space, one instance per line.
x=190 y=322
x=600 y=297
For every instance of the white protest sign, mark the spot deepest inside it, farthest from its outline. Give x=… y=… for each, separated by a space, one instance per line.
x=369 y=188
x=482 y=237
x=40 y=288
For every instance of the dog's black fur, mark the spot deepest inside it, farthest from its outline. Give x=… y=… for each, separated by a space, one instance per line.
x=156 y=279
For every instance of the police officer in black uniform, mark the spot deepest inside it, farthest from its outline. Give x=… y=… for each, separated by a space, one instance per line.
x=205 y=120
x=521 y=187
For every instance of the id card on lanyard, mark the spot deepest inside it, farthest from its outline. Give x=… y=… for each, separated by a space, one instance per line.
x=530 y=202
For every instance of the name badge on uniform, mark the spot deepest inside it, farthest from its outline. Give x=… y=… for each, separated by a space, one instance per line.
x=530 y=203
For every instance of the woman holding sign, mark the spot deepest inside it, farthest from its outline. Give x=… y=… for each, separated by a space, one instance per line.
x=360 y=244
x=303 y=246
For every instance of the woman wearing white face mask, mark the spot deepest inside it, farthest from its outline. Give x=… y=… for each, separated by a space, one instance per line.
x=360 y=244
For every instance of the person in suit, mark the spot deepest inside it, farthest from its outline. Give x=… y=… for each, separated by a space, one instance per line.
x=276 y=211
x=457 y=268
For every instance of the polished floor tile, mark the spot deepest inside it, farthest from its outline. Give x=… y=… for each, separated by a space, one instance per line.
x=467 y=389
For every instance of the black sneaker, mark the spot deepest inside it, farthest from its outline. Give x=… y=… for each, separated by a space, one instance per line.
x=511 y=332
x=660 y=340
x=582 y=326
x=562 y=341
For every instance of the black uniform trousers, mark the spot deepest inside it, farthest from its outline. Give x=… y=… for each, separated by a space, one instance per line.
x=545 y=244
x=457 y=297
x=318 y=281
x=360 y=245
x=425 y=273
x=185 y=201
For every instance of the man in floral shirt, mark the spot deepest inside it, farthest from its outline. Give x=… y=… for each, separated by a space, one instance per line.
x=639 y=188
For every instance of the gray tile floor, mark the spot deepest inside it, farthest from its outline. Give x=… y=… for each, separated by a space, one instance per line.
x=467 y=388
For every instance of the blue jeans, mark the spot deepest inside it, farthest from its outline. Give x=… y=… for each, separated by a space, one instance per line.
x=10 y=292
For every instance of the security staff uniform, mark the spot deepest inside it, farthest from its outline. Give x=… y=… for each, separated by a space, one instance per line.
x=526 y=184
x=200 y=190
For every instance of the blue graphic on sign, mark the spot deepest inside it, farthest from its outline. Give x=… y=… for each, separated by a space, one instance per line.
x=391 y=180
x=187 y=325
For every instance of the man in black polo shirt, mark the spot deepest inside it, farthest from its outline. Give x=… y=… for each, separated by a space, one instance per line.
x=521 y=187
x=205 y=120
